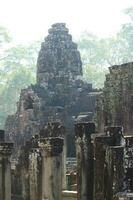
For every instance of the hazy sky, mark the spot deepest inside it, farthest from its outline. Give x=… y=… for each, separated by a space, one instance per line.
x=29 y=19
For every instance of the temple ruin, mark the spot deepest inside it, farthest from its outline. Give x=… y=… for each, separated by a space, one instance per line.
x=68 y=141
x=59 y=95
x=115 y=105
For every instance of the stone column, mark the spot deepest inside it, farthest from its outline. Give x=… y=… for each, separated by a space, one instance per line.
x=114 y=160
x=35 y=169
x=100 y=144
x=5 y=170
x=24 y=172
x=108 y=159
x=84 y=153
x=51 y=145
x=128 y=163
x=26 y=179
x=116 y=133
x=64 y=155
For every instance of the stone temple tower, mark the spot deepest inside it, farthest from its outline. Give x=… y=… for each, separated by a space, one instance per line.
x=58 y=56
x=60 y=94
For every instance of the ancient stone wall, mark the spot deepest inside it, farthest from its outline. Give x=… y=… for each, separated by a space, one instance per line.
x=104 y=160
x=104 y=163
x=115 y=105
x=84 y=154
x=27 y=173
x=59 y=94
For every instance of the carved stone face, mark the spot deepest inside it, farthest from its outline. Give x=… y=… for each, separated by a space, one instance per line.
x=58 y=55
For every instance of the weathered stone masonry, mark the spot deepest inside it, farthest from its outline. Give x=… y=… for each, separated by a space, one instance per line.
x=59 y=99
x=104 y=163
x=59 y=94
x=38 y=173
x=27 y=174
x=84 y=160
x=5 y=168
x=112 y=146
x=115 y=106
x=51 y=149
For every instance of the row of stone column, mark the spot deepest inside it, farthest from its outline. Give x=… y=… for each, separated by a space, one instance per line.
x=39 y=173
x=39 y=170
x=101 y=172
x=104 y=163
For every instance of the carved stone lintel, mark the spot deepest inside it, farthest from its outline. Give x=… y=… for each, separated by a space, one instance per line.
x=52 y=129
x=84 y=129
x=129 y=141
x=53 y=146
x=116 y=132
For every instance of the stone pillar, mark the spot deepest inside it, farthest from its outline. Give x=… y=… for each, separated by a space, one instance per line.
x=64 y=155
x=114 y=161
x=5 y=169
x=100 y=144
x=24 y=172
x=51 y=145
x=84 y=153
x=26 y=178
x=128 y=163
x=116 y=133
x=108 y=163
x=33 y=175
x=35 y=169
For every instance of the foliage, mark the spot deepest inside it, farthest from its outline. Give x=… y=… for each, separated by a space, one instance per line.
x=5 y=36
x=100 y=53
x=17 y=71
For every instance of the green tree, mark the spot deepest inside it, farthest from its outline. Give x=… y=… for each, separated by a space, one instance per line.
x=93 y=53
x=100 y=53
x=17 y=71
x=5 y=36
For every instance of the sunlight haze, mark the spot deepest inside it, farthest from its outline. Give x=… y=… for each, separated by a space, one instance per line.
x=30 y=19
